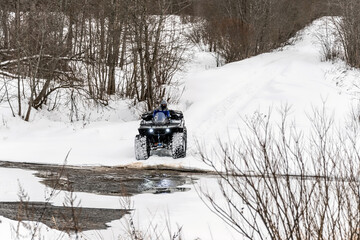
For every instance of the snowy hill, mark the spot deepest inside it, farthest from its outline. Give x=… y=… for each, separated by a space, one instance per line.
x=214 y=102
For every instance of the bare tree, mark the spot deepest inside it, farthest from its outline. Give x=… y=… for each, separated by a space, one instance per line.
x=276 y=185
x=156 y=51
x=349 y=31
x=93 y=49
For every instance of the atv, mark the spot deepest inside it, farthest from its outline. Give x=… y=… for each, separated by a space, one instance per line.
x=161 y=132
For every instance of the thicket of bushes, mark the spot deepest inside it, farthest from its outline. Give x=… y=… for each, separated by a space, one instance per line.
x=238 y=29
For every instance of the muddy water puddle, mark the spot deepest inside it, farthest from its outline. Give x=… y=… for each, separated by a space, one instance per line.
x=109 y=181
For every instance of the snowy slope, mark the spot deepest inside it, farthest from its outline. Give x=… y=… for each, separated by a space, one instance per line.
x=214 y=102
x=294 y=76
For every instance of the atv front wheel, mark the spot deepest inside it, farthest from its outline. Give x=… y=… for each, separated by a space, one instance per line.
x=178 y=145
x=185 y=137
x=142 y=147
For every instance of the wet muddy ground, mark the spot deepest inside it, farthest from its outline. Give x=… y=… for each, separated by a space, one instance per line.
x=113 y=181
x=62 y=218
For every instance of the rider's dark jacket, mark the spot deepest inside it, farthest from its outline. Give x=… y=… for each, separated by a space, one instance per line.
x=165 y=111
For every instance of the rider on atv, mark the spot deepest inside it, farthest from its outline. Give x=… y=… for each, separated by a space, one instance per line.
x=162 y=108
x=161 y=129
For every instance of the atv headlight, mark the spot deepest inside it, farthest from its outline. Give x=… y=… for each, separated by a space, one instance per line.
x=151 y=130
x=167 y=130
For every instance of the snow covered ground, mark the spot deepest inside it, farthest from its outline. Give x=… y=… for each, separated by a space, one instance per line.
x=214 y=102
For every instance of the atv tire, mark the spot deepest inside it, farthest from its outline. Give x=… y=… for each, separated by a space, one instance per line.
x=185 y=137
x=178 y=145
x=142 y=147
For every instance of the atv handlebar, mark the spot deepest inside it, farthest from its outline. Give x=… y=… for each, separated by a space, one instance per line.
x=174 y=115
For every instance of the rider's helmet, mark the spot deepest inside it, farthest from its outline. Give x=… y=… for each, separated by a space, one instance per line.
x=163 y=105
